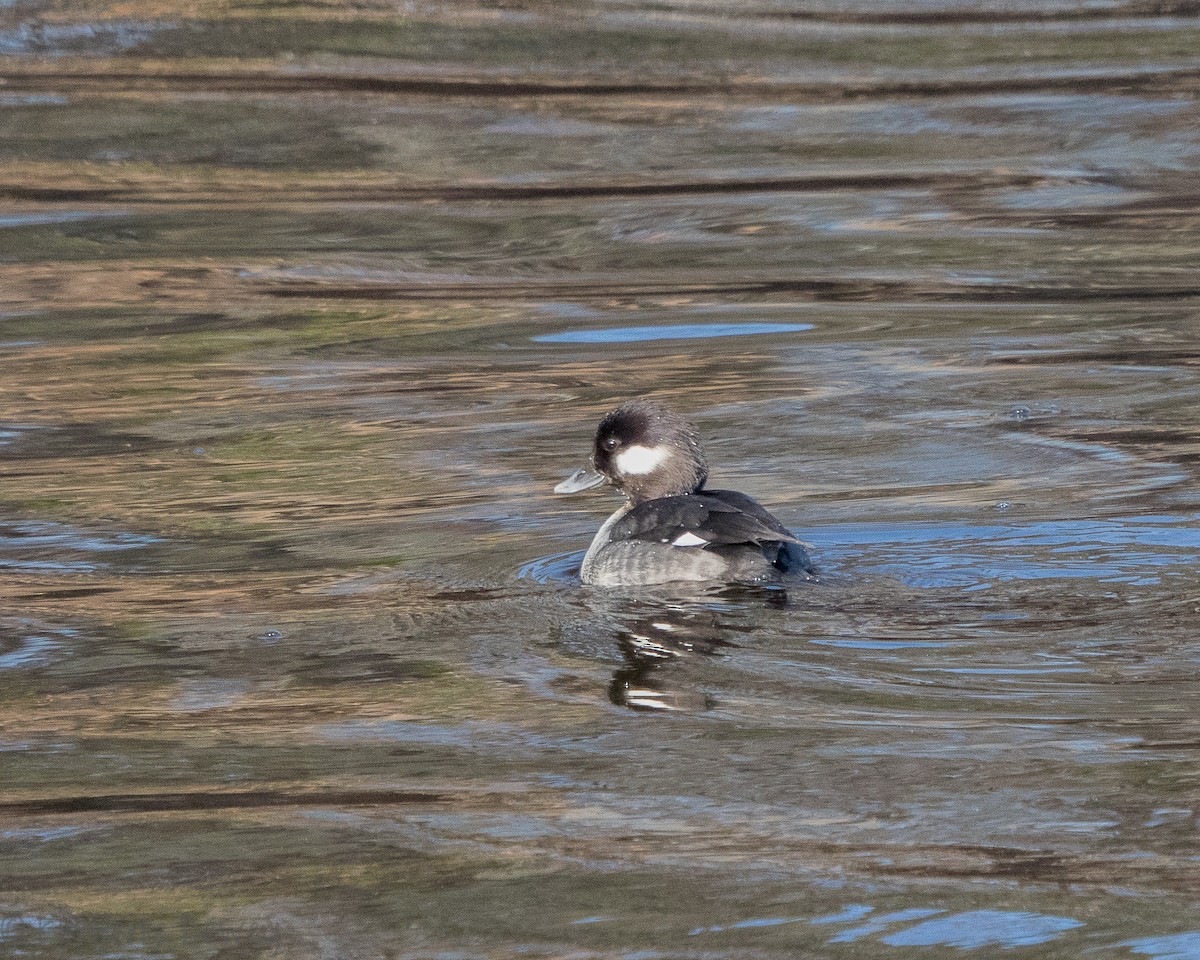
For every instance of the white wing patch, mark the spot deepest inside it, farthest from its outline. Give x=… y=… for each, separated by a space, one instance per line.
x=688 y=540
x=641 y=460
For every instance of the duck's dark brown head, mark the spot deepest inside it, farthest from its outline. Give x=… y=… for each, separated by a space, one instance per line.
x=647 y=451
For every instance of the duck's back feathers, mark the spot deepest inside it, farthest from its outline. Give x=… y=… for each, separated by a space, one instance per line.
x=711 y=517
x=710 y=535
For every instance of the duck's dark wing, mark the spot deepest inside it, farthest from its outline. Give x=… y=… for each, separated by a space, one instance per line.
x=711 y=517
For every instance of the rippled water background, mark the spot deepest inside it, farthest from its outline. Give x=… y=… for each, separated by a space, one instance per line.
x=304 y=307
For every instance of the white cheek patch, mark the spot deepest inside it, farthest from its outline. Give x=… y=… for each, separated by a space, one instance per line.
x=688 y=540
x=641 y=460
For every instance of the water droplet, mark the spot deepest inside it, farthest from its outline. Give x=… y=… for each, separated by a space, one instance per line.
x=1020 y=413
x=1003 y=505
x=271 y=636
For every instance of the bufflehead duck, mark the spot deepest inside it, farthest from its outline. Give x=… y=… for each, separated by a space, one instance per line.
x=672 y=529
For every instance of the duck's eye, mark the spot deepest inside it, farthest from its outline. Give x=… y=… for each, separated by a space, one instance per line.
x=610 y=443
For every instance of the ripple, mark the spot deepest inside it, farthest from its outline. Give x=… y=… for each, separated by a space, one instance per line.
x=554 y=566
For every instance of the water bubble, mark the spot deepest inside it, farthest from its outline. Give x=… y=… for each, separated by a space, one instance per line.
x=1003 y=505
x=1020 y=413
x=271 y=636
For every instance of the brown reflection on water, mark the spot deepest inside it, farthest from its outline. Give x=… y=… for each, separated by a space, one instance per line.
x=305 y=308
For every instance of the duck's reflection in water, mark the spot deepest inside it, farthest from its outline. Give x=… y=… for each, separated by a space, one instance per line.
x=655 y=634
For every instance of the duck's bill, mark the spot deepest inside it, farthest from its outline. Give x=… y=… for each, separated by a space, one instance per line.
x=583 y=479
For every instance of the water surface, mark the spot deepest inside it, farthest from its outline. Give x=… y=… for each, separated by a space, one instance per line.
x=304 y=310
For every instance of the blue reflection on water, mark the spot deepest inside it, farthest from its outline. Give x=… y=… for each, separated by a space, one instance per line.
x=1136 y=550
x=882 y=922
x=11 y=926
x=32 y=651
x=984 y=928
x=856 y=911
x=676 y=331
x=44 y=834
x=754 y=924
x=59 y=547
x=52 y=217
x=1178 y=946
